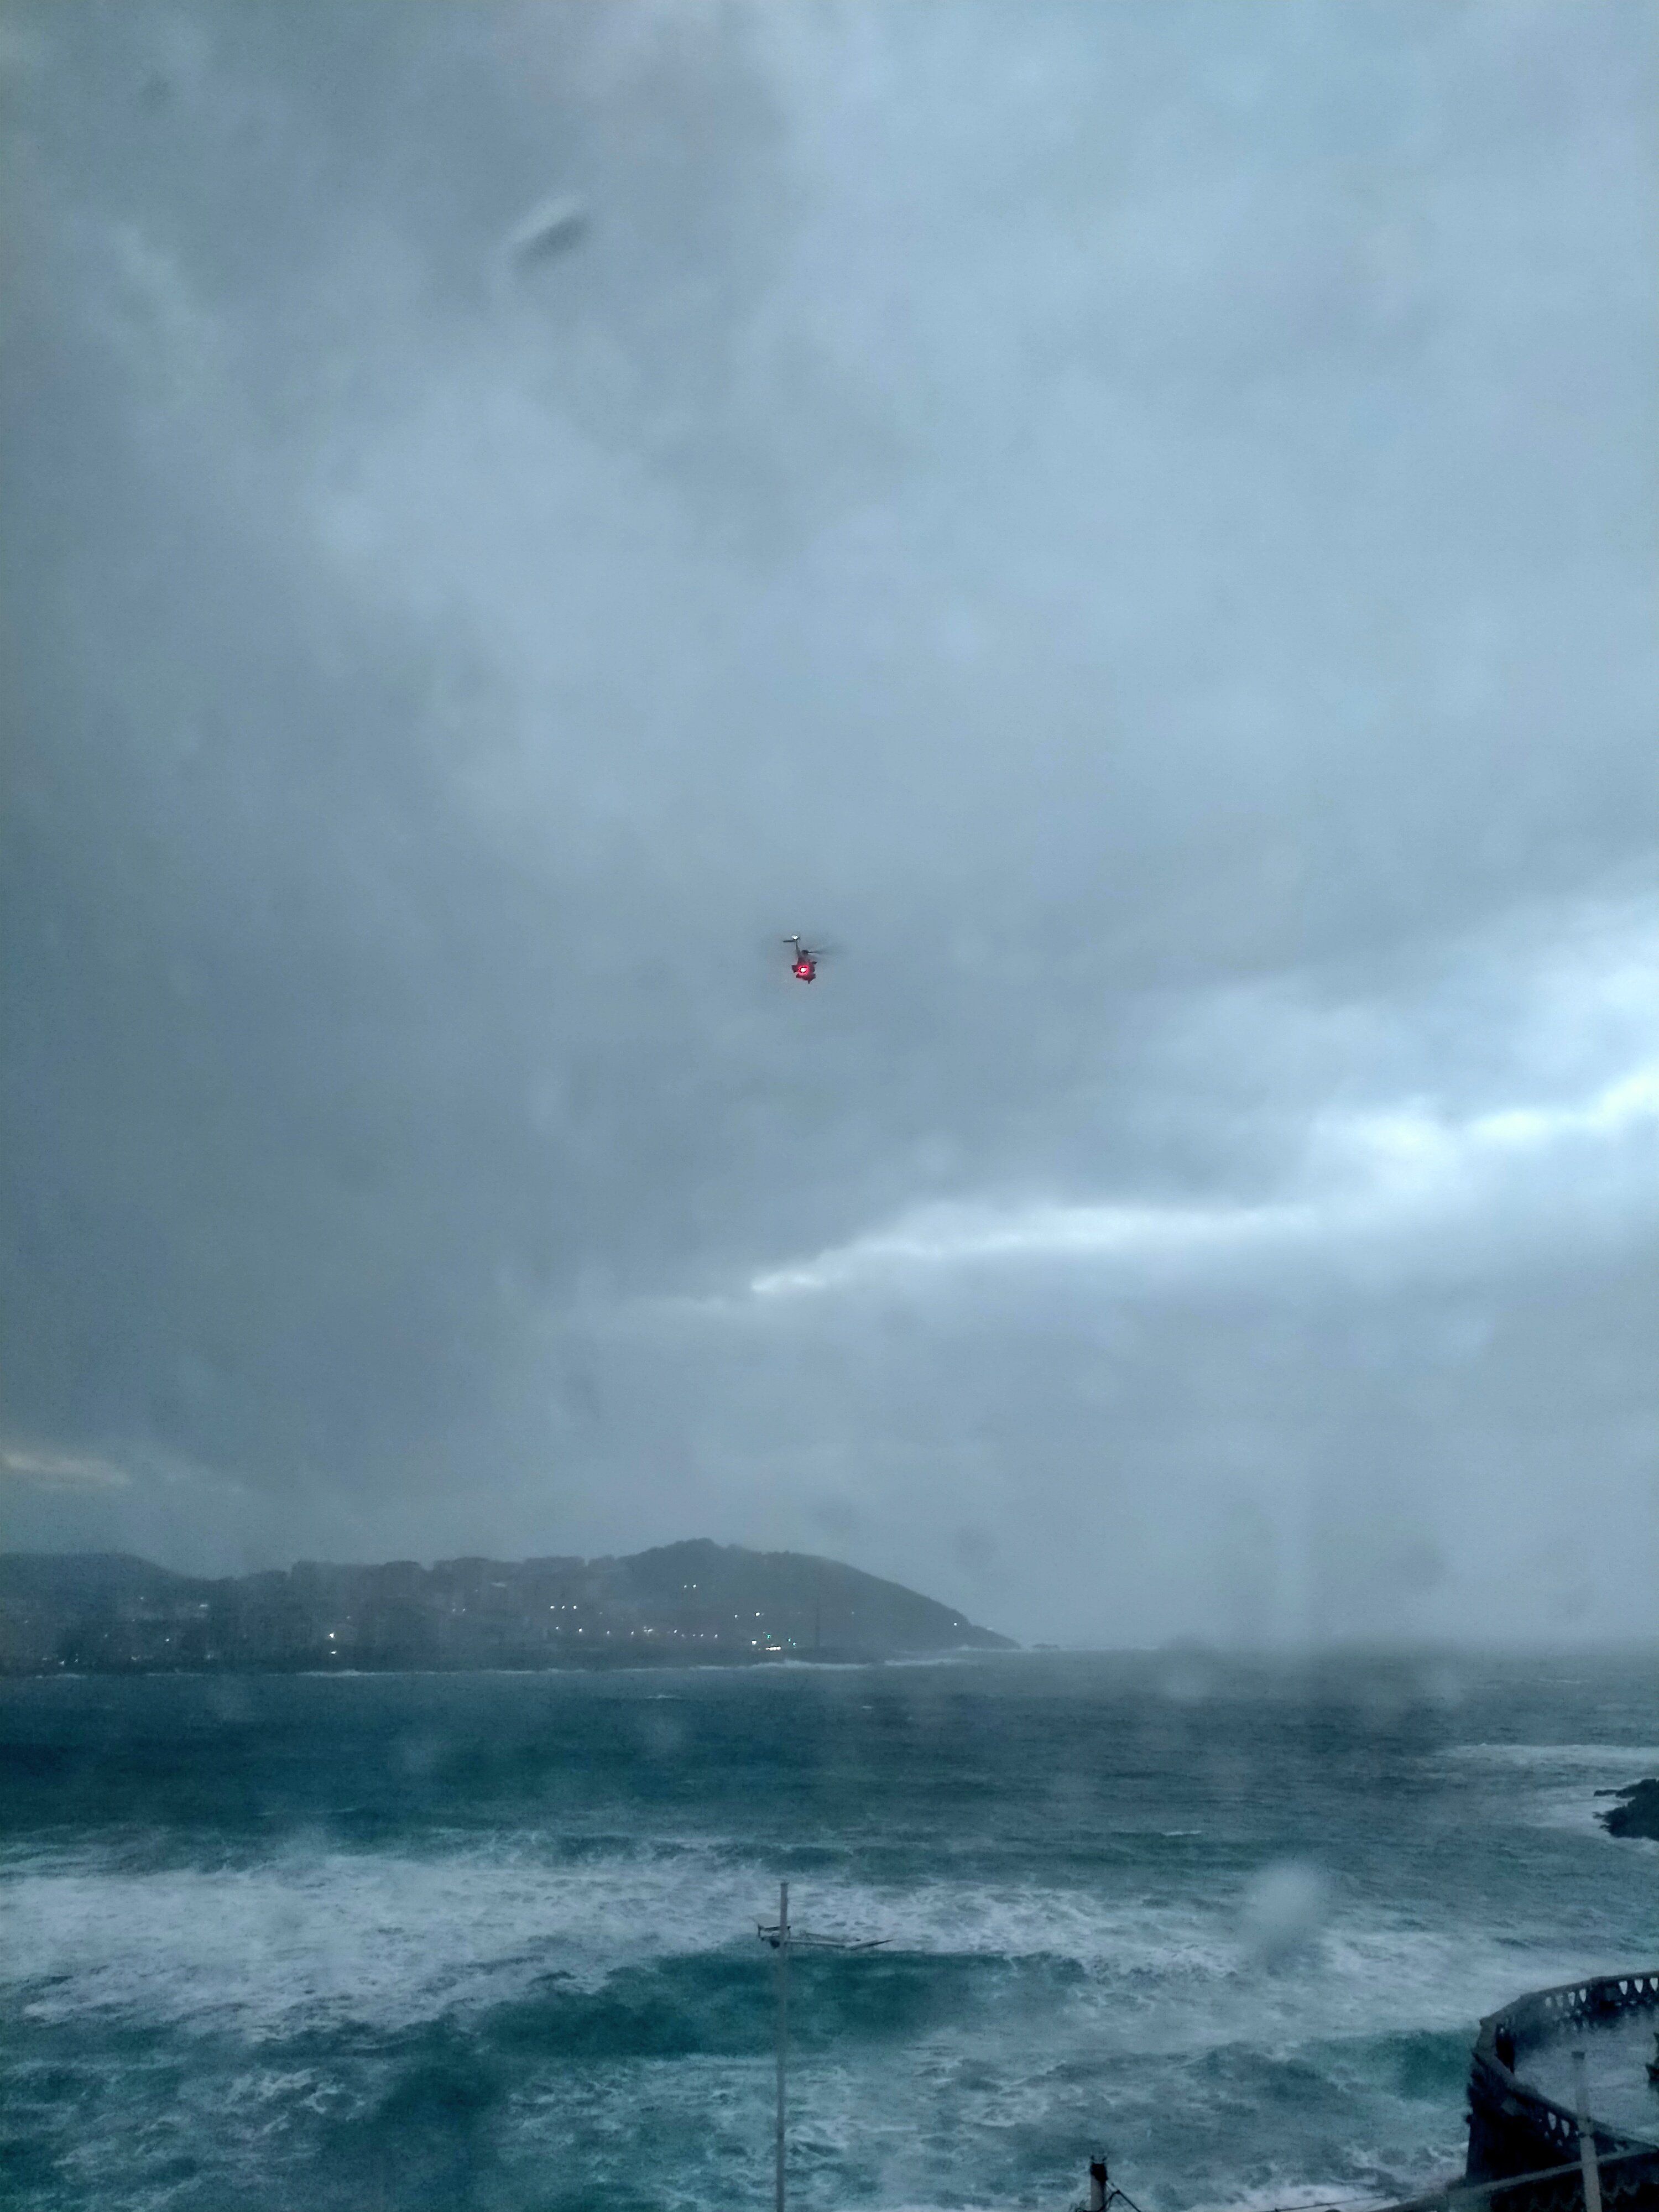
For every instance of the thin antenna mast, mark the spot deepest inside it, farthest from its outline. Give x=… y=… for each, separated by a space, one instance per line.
x=1588 y=2160
x=783 y=2038
x=784 y=1938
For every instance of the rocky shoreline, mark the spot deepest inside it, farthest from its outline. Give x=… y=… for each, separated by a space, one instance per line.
x=1637 y=1812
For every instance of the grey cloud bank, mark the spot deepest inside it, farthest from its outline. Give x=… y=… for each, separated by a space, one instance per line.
x=1136 y=523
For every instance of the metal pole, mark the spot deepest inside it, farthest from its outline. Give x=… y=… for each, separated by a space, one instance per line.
x=783 y=2030
x=1587 y=2158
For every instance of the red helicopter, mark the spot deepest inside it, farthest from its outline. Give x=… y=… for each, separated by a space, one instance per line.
x=804 y=965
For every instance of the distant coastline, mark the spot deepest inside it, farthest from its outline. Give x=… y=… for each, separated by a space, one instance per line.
x=691 y=1604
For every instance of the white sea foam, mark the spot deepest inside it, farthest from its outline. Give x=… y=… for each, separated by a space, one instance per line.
x=320 y=1936
x=1591 y=1757
x=1298 y=2197
x=315 y=1936
x=1564 y=1785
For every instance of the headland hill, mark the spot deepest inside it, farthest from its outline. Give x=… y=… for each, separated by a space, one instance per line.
x=689 y=1604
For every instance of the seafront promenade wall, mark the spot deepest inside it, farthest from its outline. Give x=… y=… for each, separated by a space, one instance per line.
x=1514 y=2129
x=1525 y=2150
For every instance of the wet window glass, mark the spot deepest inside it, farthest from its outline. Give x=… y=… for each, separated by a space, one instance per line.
x=828 y=1061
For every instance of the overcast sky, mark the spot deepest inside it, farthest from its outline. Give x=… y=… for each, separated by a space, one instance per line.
x=1138 y=523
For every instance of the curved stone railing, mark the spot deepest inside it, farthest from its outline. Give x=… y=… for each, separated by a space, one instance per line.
x=1514 y=2129
x=1524 y=2150
x=1629 y=2182
x=1518 y=2131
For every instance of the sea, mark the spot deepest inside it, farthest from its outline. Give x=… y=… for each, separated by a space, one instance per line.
x=390 y=1941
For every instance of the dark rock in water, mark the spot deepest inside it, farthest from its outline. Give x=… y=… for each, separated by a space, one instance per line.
x=1637 y=1812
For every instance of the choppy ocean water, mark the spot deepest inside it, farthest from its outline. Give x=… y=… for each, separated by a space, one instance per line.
x=488 y=1941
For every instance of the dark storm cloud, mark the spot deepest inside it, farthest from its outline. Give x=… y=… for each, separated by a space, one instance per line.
x=1125 y=520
